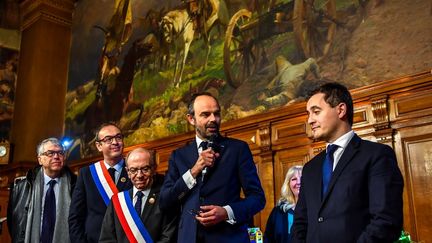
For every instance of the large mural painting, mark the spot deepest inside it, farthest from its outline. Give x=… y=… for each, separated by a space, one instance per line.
x=137 y=62
x=10 y=39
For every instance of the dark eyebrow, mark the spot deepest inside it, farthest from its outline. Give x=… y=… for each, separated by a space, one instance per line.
x=315 y=107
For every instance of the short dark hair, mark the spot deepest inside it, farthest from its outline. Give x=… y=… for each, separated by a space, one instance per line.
x=191 y=110
x=334 y=94
x=105 y=124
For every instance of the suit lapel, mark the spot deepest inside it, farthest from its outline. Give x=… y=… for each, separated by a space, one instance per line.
x=348 y=154
x=317 y=177
x=123 y=181
x=191 y=154
x=150 y=203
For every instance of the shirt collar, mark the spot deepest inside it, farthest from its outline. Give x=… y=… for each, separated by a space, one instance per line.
x=47 y=178
x=198 y=141
x=118 y=167
x=342 y=141
x=145 y=192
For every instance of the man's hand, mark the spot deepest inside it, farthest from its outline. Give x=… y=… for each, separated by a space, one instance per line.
x=205 y=159
x=212 y=215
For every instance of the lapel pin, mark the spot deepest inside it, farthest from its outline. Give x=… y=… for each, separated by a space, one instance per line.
x=151 y=200
x=123 y=179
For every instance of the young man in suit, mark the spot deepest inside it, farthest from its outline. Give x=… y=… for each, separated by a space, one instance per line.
x=38 y=201
x=96 y=184
x=142 y=203
x=206 y=180
x=352 y=191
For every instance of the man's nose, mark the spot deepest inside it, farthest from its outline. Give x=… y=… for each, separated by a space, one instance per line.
x=310 y=120
x=212 y=117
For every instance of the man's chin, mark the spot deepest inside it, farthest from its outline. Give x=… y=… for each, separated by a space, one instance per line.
x=212 y=133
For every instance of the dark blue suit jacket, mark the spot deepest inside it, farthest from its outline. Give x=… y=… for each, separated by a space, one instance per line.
x=87 y=207
x=233 y=170
x=363 y=202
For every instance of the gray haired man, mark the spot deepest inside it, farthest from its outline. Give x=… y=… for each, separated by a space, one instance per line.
x=39 y=201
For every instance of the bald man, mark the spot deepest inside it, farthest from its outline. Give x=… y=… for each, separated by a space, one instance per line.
x=134 y=215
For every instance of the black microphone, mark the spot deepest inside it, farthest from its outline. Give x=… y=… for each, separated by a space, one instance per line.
x=212 y=145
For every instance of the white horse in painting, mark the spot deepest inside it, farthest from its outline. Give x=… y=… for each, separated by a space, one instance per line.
x=177 y=27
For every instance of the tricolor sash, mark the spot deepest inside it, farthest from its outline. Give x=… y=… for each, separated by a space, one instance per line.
x=104 y=183
x=129 y=219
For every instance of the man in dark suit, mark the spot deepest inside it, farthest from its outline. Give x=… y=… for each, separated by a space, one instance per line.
x=96 y=184
x=352 y=192
x=144 y=198
x=206 y=182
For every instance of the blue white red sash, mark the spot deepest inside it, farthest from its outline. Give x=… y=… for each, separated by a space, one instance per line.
x=104 y=183
x=129 y=219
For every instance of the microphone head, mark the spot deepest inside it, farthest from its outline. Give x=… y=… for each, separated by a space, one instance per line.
x=212 y=142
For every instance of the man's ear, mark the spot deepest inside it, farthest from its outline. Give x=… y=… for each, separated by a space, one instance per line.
x=342 y=111
x=39 y=160
x=191 y=119
x=98 y=146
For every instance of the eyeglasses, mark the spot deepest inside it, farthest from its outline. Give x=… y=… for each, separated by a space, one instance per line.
x=110 y=139
x=144 y=170
x=51 y=153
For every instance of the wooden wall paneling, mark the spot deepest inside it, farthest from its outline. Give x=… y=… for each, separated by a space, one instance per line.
x=411 y=108
x=284 y=159
x=290 y=133
x=414 y=152
x=4 y=199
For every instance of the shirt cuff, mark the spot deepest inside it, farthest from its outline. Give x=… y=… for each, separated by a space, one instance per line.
x=231 y=218
x=189 y=180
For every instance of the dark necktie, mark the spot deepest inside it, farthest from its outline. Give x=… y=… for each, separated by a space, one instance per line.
x=111 y=171
x=138 y=203
x=49 y=214
x=203 y=145
x=327 y=168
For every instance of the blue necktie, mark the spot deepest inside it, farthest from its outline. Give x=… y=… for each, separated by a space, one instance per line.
x=138 y=203
x=327 y=168
x=49 y=214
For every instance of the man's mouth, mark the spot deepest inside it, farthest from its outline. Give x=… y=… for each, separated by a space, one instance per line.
x=115 y=149
x=212 y=127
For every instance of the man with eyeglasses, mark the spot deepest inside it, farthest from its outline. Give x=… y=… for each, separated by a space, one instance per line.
x=134 y=215
x=96 y=184
x=38 y=200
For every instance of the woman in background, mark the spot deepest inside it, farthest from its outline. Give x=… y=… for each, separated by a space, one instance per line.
x=281 y=218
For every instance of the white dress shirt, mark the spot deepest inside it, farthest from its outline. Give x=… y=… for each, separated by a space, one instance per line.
x=342 y=142
x=145 y=192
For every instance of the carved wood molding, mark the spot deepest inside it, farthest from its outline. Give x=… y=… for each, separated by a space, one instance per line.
x=56 y=11
x=380 y=112
x=264 y=138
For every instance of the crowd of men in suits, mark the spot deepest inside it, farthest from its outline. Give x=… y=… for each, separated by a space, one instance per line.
x=351 y=192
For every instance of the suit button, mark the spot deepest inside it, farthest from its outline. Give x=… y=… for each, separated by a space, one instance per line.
x=320 y=219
